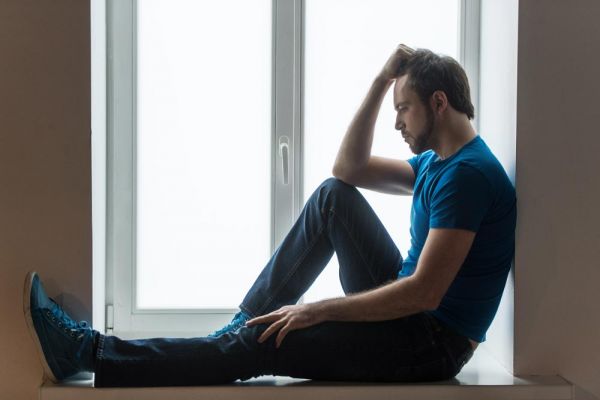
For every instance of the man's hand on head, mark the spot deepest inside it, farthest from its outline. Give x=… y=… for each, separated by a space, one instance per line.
x=287 y=319
x=392 y=68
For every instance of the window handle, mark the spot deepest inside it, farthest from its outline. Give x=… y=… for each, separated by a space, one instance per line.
x=284 y=153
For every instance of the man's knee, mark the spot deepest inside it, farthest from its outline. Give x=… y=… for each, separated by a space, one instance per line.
x=332 y=191
x=336 y=185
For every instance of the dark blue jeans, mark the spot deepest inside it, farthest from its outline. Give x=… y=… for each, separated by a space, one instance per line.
x=336 y=218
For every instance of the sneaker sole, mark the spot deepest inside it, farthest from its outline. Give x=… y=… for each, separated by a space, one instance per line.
x=27 y=311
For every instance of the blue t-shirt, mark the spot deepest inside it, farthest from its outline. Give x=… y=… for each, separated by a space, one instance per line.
x=468 y=190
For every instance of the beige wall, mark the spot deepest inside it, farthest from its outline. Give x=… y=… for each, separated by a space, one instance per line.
x=557 y=263
x=44 y=170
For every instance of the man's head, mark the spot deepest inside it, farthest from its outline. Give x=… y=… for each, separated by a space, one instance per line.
x=429 y=86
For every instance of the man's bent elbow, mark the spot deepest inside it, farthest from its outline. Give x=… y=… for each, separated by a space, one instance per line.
x=340 y=174
x=335 y=171
x=431 y=303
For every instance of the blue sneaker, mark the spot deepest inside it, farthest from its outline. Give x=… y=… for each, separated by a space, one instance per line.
x=65 y=347
x=236 y=323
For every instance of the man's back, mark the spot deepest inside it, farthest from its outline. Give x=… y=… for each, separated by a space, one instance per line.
x=469 y=190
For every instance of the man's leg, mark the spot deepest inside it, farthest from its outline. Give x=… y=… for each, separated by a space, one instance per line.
x=416 y=348
x=335 y=218
x=182 y=361
x=411 y=349
x=67 y=347
x=399 y=350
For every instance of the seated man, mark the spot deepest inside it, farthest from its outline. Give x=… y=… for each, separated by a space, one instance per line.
x=418 y=319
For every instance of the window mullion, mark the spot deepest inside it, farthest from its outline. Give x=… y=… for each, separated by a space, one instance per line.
x=469 y=31
x=120 y=172
x=287 y=143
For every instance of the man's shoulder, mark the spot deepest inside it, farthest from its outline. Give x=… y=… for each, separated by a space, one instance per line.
x=463 y=175
x=421 y=160
x=483 y=162
x=480 y=173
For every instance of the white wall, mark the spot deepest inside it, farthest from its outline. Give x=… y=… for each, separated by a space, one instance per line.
x=557 y=274
x=45 y=206
x=497 y=125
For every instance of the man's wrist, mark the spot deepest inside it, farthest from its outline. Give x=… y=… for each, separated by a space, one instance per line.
x=383 y=80
x=330 y=309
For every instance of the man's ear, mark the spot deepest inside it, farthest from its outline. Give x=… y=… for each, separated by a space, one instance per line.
x=439 y=102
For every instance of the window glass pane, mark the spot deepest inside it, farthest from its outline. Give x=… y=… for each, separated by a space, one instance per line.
x=347 y=43
x=203 y=150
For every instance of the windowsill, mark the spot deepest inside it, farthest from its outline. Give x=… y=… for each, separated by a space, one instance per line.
x=481 y=378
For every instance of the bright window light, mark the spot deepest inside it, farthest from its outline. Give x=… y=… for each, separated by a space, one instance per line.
x=203 y=151
x=347 y=43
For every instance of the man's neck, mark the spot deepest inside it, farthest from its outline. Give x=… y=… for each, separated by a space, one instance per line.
x=456 y=134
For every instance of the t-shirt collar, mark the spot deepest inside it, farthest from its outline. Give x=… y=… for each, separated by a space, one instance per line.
x=470 y=142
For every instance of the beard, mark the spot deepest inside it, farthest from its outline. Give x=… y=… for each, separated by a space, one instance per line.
x=423 y=139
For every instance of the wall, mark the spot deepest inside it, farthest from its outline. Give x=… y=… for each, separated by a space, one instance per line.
x=44 y=171
x=497 y=125
x=557 y=273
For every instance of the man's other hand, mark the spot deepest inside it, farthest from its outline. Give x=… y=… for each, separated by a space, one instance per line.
x=393 y=67
x=286 y=319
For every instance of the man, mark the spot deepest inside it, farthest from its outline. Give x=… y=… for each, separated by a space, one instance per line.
x=418 y=319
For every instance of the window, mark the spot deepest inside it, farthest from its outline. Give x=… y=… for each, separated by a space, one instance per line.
x=202 y=148
x=223 y=117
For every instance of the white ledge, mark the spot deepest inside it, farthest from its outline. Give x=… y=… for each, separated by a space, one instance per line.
x=481 y=378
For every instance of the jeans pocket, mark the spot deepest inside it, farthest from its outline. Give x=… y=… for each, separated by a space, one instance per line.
x=432 y=329
x=455 y=347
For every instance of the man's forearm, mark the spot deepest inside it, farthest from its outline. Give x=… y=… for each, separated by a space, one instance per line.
x=355 y=150
x=394 y=300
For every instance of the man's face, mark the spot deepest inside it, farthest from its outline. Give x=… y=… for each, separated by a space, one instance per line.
x=413 y=118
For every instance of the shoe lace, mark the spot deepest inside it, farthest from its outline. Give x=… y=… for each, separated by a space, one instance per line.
x=76 y=330
x=238 y=320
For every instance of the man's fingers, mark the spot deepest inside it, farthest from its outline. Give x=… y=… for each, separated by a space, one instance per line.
x=407 y=49
x=282 y=334
x=398 y=58
x=262 y=319
x=270 y=330
x=284 y=320
x=256 y=321
x=403 y=51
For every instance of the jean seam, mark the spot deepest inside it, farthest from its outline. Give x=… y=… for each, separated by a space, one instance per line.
x=292 y=271
x=245 y=309
x=357 y=247
x=99 y=355
x=100 y=349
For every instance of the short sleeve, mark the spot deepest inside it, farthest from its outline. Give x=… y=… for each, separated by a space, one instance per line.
x=414 y=163
x=461 y=199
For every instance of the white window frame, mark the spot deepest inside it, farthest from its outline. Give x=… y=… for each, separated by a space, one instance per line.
x=123 y=318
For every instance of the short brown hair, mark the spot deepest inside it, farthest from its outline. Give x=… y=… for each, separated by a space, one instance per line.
x=428 y=72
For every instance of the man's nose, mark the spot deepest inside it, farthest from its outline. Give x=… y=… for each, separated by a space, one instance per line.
x=399 y=123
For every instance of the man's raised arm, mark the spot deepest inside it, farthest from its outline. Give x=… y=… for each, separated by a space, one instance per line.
x=354 y=163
